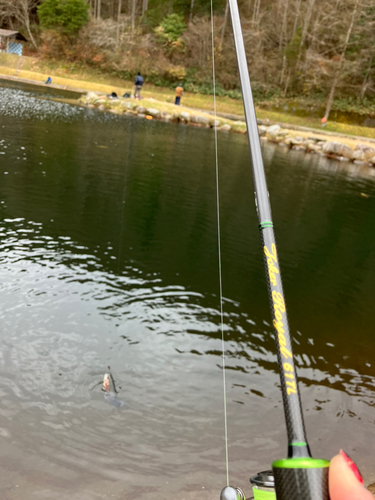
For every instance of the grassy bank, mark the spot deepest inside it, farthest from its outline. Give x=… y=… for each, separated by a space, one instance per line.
x=84 y=78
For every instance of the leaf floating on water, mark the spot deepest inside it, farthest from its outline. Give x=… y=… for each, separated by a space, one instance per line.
x=365 y=195
x=102 y=147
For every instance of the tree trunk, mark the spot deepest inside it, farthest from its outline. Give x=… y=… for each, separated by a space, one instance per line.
x=283 y=70
x=99 y=6
x=283 y=26
x=133 y=16
x=144 y=7
x=341 y=62
x=256 y=10
x=314 y=31
x=225 y=23
x=118 y=23
x=287 y=83
x=25 y=18
x=305 y=29
x=331 y=95
x=365 y=81
x=27 y=24
x=191 y=11
x=279 y=9
x=248 y=7
x=296 y=18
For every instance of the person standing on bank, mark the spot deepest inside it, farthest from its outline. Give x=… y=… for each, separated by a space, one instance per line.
x=179 y=94
x=138 y=82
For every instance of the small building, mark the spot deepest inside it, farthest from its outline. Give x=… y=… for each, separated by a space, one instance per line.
x=11 y=42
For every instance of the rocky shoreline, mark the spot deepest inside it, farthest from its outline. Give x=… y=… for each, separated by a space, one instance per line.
x=363 y=153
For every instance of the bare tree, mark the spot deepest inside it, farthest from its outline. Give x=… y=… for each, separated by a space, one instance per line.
x=224 y=23
x=118 y=22
x=191 y=11
x=144 y=6
x=256 y=10
x=133 y=4
x=283 y=26
x=306 y=24
x=296 y=17
x=19 y=10
x=341 y=61
x=248 y=7
x=366 y=80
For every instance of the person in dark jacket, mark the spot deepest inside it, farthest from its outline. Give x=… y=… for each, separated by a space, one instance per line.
x=138 y=82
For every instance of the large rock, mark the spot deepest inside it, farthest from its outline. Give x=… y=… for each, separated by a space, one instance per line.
x=315 y=139
x=313 y=146
x=367 y=152
x=372 y=161
x=91 y=96
x=337 y=149
x=273 y=131
x=358 y=155
x=141 y=110
x=215 y=123
x=226 y=127
x=155 y=113
x=202 y=120
x=279 y=139
x=185 y=116
x=262 y=129
x=296 y=141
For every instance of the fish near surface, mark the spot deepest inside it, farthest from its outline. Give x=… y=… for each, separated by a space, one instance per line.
x=110 y=390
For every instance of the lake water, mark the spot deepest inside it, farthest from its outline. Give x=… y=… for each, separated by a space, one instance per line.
x=108 y=257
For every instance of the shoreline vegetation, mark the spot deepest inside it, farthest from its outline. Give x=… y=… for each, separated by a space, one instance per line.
x=273 y=127
x=83 y=78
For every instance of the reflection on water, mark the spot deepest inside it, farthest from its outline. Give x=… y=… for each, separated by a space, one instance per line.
x=109 y=257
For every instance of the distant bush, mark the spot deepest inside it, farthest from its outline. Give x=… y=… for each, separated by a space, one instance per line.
x=69 y=16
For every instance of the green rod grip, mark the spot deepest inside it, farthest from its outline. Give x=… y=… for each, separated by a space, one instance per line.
x=301 y=479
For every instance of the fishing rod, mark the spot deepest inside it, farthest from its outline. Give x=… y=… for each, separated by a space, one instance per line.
x=298 y=477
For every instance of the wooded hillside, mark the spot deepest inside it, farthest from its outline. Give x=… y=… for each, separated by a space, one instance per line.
x=294 y=47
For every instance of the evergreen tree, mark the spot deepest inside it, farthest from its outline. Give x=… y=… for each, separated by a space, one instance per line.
x=67 y=15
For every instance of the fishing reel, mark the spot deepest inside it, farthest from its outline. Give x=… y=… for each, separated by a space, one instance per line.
x=230 y=493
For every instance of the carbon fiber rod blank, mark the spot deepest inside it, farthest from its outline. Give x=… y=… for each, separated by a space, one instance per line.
x=300 y=477
x=288 y=375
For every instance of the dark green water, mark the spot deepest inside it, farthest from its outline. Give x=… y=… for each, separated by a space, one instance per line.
x=109 y=257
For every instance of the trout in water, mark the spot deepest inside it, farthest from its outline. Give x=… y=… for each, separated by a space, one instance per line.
x=110 y=390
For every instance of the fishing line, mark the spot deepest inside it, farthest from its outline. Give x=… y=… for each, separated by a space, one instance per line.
x=299 y=476
x=123 y=201
x=219 y=249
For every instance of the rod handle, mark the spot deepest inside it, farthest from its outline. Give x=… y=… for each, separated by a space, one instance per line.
x=301 y=479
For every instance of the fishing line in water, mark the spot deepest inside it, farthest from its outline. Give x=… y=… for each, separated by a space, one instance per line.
x=123 y=202
x=219 y=248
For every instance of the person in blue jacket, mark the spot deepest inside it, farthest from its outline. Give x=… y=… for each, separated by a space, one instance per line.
x=138 y=82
